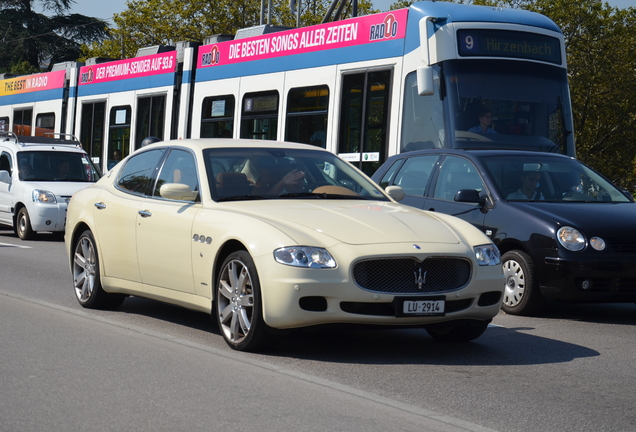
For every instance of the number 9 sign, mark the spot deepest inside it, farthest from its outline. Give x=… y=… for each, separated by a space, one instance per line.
x=469 y=43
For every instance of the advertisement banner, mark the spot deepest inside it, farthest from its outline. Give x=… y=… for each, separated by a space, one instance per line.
x=339 y=34
x=155 y=64
x=32 y=83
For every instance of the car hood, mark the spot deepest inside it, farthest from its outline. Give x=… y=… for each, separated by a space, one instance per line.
x=57 y=188
x=355 y=223
x=593 y=219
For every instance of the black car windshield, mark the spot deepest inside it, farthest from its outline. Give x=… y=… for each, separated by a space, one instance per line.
x=282 y=173
x=545 y=178
x=56 y=166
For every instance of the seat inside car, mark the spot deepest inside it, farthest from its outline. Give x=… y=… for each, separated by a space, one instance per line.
x=231 y=184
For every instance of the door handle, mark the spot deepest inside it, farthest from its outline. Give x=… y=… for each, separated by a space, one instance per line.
x=431 y=209
x=144 y=213
x=100 y=206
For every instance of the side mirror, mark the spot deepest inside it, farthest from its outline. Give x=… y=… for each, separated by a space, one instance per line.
x=5 y=177
x=425 y=85
x=395 y=192
x=177 y=191
x=469 y=196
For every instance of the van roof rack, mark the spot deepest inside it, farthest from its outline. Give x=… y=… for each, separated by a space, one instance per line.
x=56 y=138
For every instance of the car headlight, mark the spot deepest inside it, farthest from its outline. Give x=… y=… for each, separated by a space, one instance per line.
x=43 y=196
x=571 y=238
x=304 y=256
x=487 y=255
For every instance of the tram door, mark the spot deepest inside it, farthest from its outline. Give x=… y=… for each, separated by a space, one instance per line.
x=364 y=118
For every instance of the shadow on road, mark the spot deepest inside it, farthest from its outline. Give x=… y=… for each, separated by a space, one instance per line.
x=499 y=346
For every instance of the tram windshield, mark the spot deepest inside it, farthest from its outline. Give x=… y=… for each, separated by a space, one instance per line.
x=508 y=104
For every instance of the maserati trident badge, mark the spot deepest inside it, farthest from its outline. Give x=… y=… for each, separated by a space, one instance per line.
x=420 y=278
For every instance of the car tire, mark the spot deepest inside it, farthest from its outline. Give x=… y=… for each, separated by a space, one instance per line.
x=86 y=280
x=464 y=331
x=521 y=294
x=23 y=225
x=238 y=304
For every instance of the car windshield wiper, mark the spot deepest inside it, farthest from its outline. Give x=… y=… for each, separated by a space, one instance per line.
x=243 y=198
x=320 y=196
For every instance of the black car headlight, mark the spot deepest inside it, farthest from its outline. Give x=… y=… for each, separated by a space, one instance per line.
x=487 y=255
x=571 y=238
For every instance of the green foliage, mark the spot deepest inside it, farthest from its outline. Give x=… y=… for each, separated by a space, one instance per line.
x=23 y=68
x=163 y=22
x=38 y=39
x=601 y=54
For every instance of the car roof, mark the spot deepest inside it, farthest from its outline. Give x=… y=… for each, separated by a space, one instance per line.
x=477 y=153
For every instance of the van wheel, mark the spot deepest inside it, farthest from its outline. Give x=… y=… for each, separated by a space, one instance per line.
x=23 y=225
x=521 y=294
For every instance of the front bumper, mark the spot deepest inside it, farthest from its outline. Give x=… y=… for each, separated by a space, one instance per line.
x=611 y=280
x=298 y=297
x=48 y=217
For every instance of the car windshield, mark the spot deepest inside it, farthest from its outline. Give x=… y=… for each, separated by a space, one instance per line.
x=277 y=173
x=56 y=166
x=543 y=178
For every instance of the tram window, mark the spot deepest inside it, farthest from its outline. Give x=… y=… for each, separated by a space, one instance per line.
x=150 y=118
x=92 y=130
x=423 y=119
x=364 y=118
x=217 y=117
x=4 y=124
x=307 y=115
x=44 y=123
x=259 y=116
x=22 y=120
x=118 y=134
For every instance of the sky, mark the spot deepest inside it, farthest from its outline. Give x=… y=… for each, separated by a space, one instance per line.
x=106 y=8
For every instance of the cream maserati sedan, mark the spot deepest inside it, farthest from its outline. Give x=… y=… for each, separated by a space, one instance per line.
x=267 y=236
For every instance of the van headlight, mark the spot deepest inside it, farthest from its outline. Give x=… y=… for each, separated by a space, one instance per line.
x=43 y=196
x=487 y=255
x=571 y=238
x=304 y=256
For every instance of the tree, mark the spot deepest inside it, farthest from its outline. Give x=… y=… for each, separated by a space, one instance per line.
x=163 y=22
x=35 y=38
x=601 y=54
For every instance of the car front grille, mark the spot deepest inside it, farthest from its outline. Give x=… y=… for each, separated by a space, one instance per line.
x=623 y=245
x=410 y=276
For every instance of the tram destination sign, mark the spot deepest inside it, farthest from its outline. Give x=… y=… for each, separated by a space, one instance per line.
x=506 y=43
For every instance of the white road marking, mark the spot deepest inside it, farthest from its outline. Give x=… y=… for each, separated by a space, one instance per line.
x=14 y=245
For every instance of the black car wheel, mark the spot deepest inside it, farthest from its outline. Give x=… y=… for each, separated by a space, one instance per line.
x=23 y=225
x=521 y=295
x=86 y=280
x=239 y=310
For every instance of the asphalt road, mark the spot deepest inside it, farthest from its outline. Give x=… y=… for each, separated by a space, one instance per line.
x=150 y=366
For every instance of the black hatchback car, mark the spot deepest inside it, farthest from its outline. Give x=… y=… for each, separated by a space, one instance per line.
x=564 y=231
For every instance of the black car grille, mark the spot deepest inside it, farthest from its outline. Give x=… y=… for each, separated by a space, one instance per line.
x=623 y=245
x=412 y=276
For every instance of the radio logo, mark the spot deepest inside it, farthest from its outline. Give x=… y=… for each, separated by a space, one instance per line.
x=211 y=58
x=88 y=76
x=385 y=30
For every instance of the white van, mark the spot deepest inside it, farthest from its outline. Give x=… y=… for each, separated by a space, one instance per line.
x=38 y=177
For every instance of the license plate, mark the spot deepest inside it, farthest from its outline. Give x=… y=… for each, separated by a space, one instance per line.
x=422 y=307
